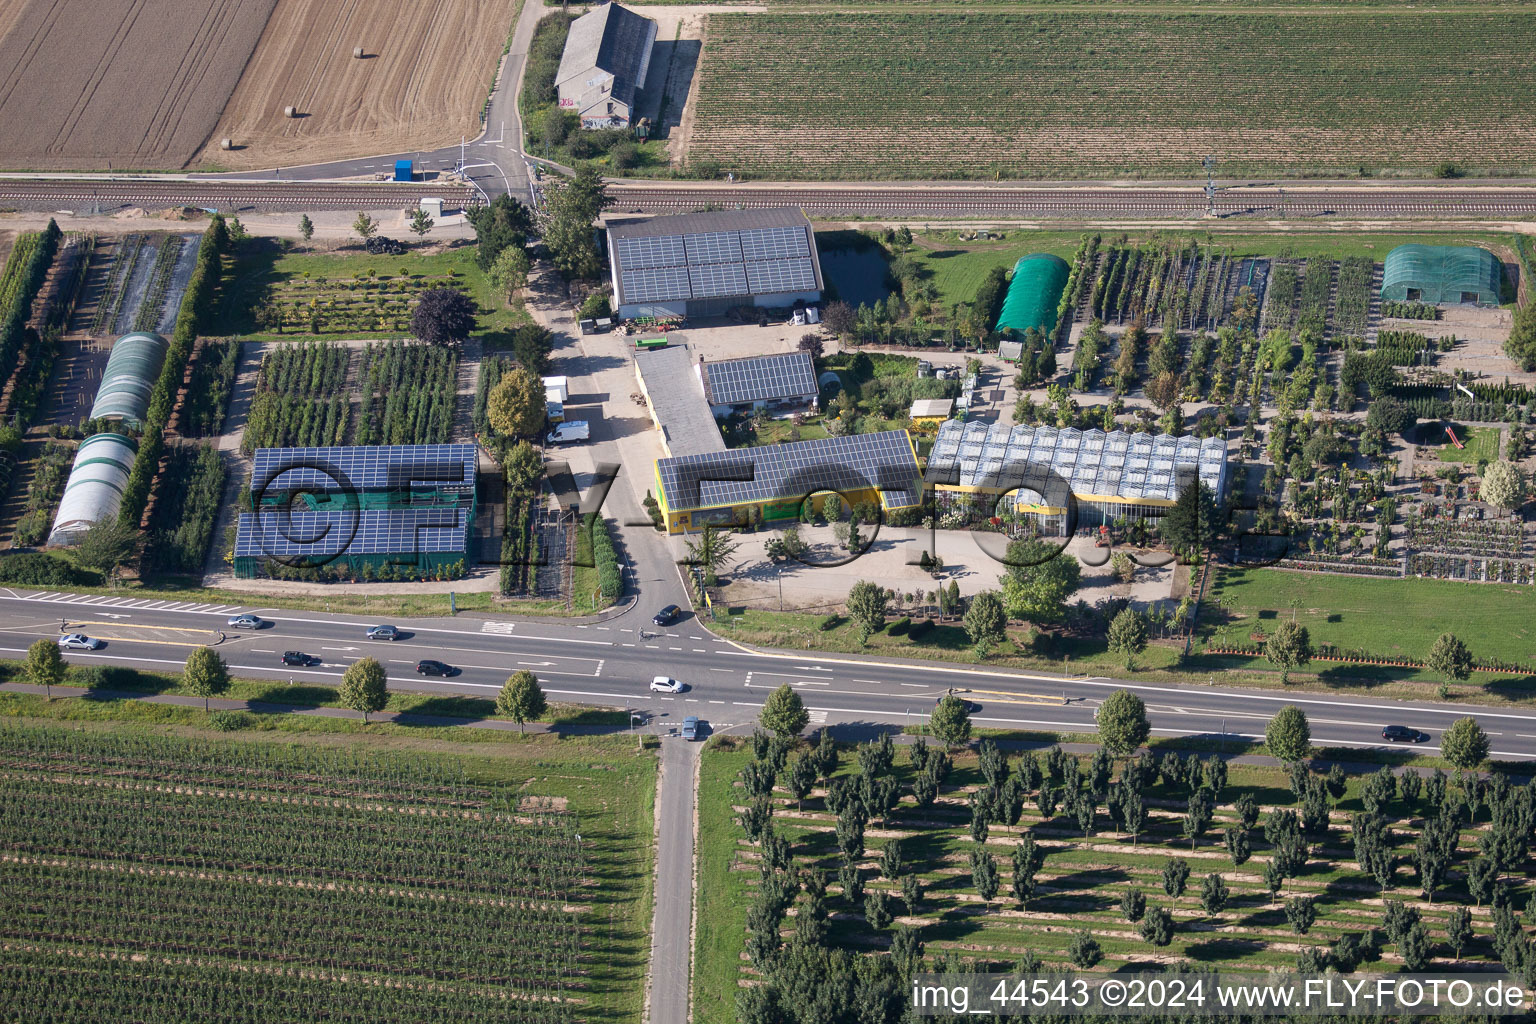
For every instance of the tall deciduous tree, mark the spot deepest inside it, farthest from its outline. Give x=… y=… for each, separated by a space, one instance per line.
x=1128 y=635
x=365 y=227
x=45 y=665
x=443 y=316
x=1039 y=580
x=985 y=622
x=784 y=712
x=1464 y=744
x=105 y=546
x=1288 y=735
x=505 y=222
x=515 y=407
x=306 y=227
x=571 y=205
x=510 y=271
x=1123 y=725
x=951 y=721
x=205 y=674
x=866 y=605
x=1289 y=648
x=1450 y=657
x=521 y=699
x=364 y=687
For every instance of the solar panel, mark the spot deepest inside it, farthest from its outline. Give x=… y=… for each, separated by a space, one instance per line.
x=845 y=464
x=657 y=284
x=774 y=243
x=657 y=251
x=318 y=537
x=761 y=378
x=781 y=276
x=718 y=279
x=713 y=247
x=447 y=467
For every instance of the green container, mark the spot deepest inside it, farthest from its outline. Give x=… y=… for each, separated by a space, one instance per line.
x=651 y=343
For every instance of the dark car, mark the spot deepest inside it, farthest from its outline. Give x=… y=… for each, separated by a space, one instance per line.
x=1403 y=734
x=667 y=615
x=383 y=633
x=300 y=659
x=428 y=667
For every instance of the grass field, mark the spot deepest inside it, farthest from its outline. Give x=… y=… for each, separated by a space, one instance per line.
x=356 y=295
x=1080 y=882
x=1479 y=444
x=1128 y=92
x=519 y=905
x=1389 y=617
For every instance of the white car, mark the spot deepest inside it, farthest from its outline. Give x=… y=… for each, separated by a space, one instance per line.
x=79 y=642
x=666 y=684
x=245 y=620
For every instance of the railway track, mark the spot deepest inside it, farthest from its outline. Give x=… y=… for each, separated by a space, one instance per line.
x=1047 y=202
x=107 y=194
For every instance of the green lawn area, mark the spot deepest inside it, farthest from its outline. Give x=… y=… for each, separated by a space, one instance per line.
x=606 y=782
x=1389 y=617
x=1479 y=444
x=286 y=273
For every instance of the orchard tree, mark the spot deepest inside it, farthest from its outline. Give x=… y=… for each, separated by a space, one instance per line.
x=510 y=271
x=986 y=622
x=1157 y=927
x=521 y=699
x=205 y=674
x=784 y=712
x=1464 y=744
x=1084 y=951
x=1300 y=914
x=1128 y=635
x=306 y=227
x=1122 y=720
x=1288 y=735
x=365 y=227
x=1213 y=893
x=45 y=665
x=1289 y=648
x=1450 y=657
x=363 y=687
x=951 y=721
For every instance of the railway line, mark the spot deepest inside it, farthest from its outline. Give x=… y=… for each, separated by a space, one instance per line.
x=104 y=194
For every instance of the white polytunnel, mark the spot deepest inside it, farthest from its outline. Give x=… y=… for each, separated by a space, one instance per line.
x=95 y=487
x=130 y=375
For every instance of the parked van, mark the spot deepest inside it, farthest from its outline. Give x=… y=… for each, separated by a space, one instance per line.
x=573 y=432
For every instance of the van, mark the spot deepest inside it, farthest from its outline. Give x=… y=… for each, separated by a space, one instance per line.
x=573 y=432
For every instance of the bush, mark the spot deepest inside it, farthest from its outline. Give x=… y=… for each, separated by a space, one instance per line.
x=609 y=578
x=920 y=629
x=38 y=569
x=830 y=623
x=900 y=626
x=230 y=721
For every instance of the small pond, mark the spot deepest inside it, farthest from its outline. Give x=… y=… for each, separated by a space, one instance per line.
x=856 y=274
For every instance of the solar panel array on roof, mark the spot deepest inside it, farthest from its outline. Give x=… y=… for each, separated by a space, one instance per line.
x=323 y=536
x=760 y=378
x=653 y=266
x=1090 y=462
x=844 y=464
x=447 y=467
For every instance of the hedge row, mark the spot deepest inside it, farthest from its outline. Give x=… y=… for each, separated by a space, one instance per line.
x=606 y=559
x=182 y=523
x=22 y=279
x=37 y=569
x=196 y=304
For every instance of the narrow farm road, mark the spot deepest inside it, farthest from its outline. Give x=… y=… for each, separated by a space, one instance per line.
x=669 y=987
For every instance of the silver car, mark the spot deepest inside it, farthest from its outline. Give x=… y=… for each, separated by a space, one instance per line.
x=80 y=642
x=245 y=620
x=383 y=633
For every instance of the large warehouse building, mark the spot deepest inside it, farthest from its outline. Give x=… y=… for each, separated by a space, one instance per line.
x=1456 y=274
x=607 y=54
x=406 y=507
x=1109 y=474
x=703 y=264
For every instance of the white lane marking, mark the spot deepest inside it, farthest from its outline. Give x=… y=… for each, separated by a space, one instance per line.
x=717 y=702
x=722 y=670
x=505 y=628
x=920 y=686
x=261 y=650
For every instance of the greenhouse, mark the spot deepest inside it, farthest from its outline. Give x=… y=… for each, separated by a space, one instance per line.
x=1457 y=274
x=1034 y=294
x=362 y=542
x=1048 y=470
x=129 y=377
x=95 y=487
x=365 y=476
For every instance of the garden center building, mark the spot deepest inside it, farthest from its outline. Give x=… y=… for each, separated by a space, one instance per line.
x=703 y=264
x=1048 y=470
x=408 y=507
x=1458 y=274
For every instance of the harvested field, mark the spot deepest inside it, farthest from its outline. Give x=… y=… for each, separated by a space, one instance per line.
x=426 y=71
x=1120 y=93
x=128 y=83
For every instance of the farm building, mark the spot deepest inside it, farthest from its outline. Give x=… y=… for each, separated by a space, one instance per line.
x=674 y=394
x=703 y=264
x=724 y=487
x=606 y=57
x=928 y=413
x=129 y=377
x=1457 y=274
x=419 y=539
x=95 y=487
x=1034 y=293
x=782 y=381
x=1106 y=475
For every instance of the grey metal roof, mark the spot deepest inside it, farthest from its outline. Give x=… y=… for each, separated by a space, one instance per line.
x=712 y=255
x=760 y=378
x=677 y=400
x=612 y=39
x=129 y=377
x=446 y=467
x=321 y=537
x=786 y=471
x=1046 y=461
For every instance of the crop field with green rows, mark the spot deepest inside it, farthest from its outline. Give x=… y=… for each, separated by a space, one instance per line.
x=1086 y=94
x=160 y=878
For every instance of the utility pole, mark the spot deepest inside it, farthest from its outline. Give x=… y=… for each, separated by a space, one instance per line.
x=461 y=154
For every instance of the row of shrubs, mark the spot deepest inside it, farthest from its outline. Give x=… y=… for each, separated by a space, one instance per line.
x=606 y=559
x=182 y=523
x=39 y=569
x=903 y=626
x=23 y=277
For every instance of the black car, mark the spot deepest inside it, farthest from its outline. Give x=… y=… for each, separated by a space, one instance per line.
x=429 y=667
x=300 y=659
x=1403 y=734
x=667 y=615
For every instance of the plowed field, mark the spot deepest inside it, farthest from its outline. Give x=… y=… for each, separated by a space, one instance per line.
x=133 y=83
x=426 y=71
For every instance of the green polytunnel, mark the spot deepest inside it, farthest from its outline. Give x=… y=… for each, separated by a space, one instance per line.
x=1461 y=274
x=130 y=375
x=1035 y=292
